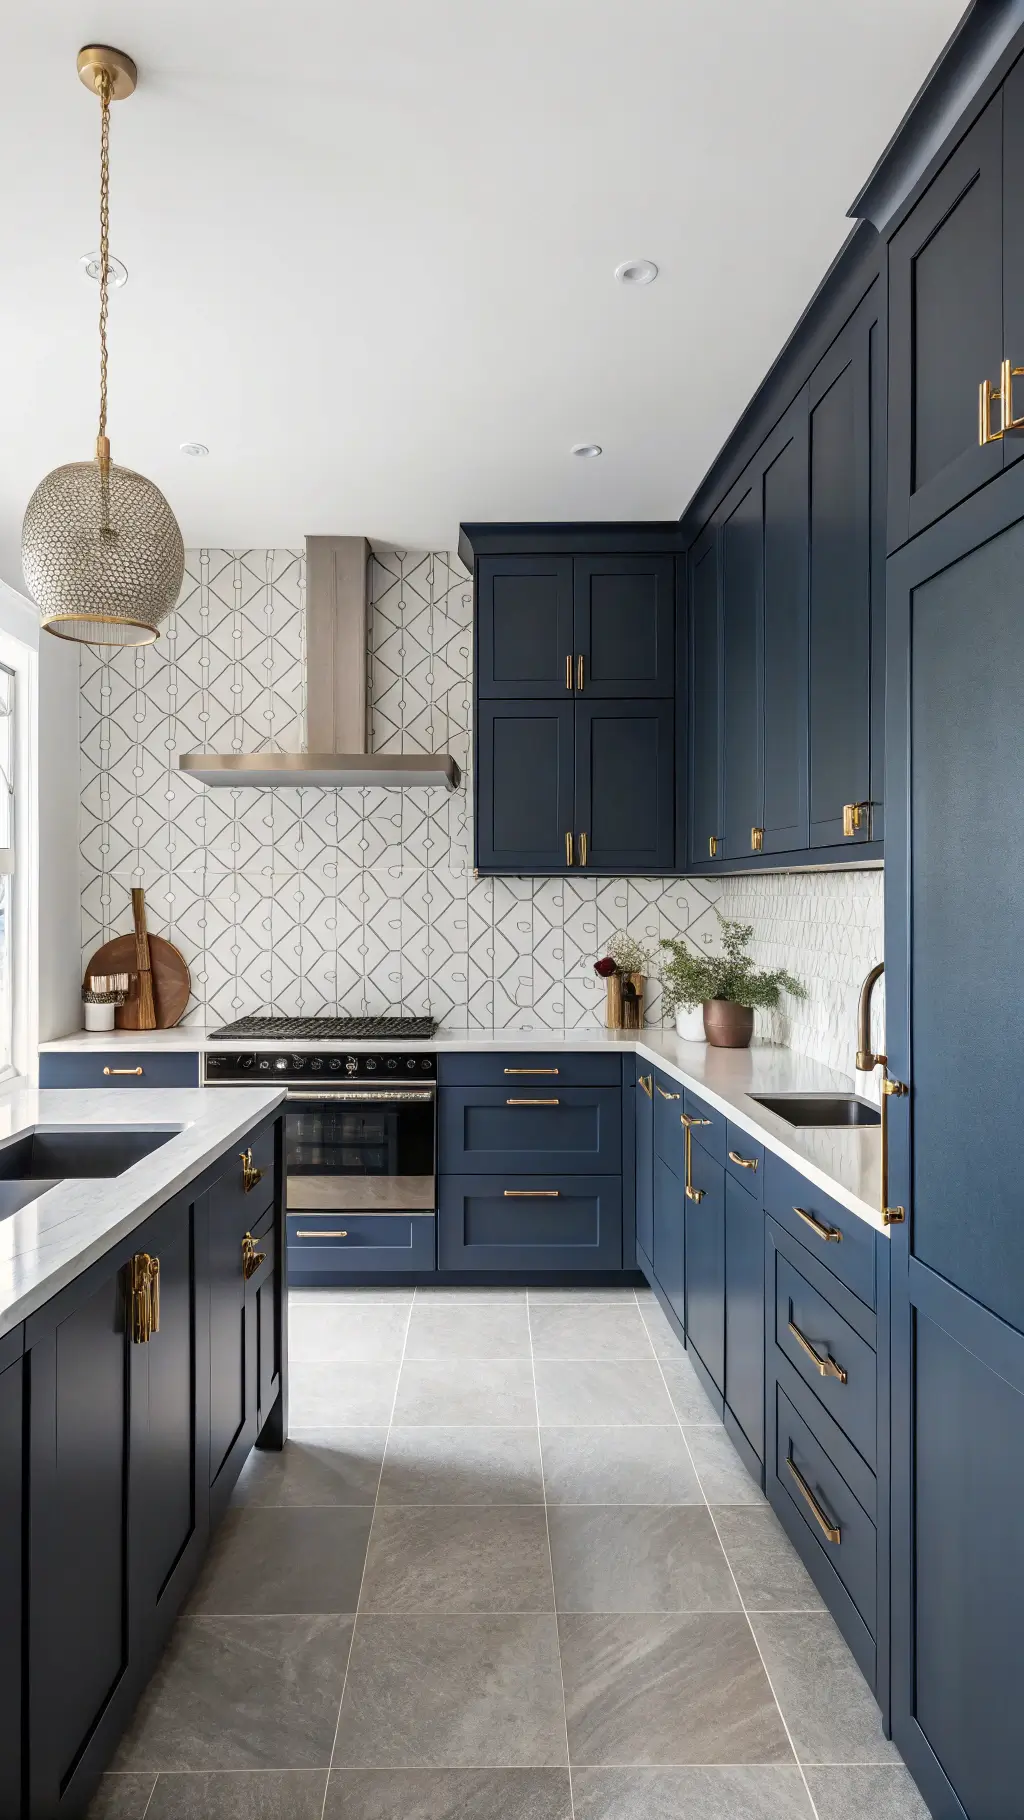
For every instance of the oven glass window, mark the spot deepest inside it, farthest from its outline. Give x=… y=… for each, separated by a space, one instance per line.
x=377 y=1156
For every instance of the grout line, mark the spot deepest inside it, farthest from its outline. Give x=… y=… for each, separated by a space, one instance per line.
x=149 y=1799
x=740 y=1597
x=551 y=1565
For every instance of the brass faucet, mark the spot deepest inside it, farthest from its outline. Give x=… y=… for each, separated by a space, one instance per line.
x=866 y=1059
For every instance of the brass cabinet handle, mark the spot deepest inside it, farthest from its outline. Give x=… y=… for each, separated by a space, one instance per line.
x=123 y=1071
x=712 y=845
x=144 y=1297
x=826 y=1366
x=1007 y=375
x=252 y=1257
x=531 y=1070
x=986 y=399
x=757 y=839
x=1004 y=398
x=568 y=849
x=831 y=1234
x=532 y=1194
x=687 y=1120
x=743 y=1162
x=891 y=1216
x=854 y=817
x=829 y=1528
x=250 y=1174
x=579 y=671
x=322 y=1232
x=646 y=1081
x=583 y=849
x=568 y=669
x=664 y=1095
x=533 y=1102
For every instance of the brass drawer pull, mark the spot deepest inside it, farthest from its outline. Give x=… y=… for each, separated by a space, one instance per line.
x=831 y=1530
x=854 y=816
x=742 y=1162
x=646 y=1081
x=531 y=1070
x=712 y=846
x=252 y=1258
x=826 y=1366
x=831 y=1234
x=757 y=840
x=568 y=849
x=532 y=1194
x=579 y=671
x=687 y=1120
x=144 y=1297
x=667 y=1096
x=322 y=1232
x=583 y=849
x=891 y=1216
x=568 y=669
x=250 y=1174
x=532 y=1102
x=123 y=1071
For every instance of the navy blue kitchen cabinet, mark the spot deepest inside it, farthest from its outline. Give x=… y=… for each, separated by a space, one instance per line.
x=526 y=789
x=359 y=1245
x=742 y=622
x=669 y=1223
x=704 y=844
x=525 y=641
x=744 y=1320
x=12 y=1407
x=644 y=1144
x=492 y=1130
x=705 y=1266
x=529 y=1222
x=625 y=786
x=624 y=626
x=783 y=636
x=119 y=1067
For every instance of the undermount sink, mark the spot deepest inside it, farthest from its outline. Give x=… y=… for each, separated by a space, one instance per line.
x=819 y=1108
x=43 y=1157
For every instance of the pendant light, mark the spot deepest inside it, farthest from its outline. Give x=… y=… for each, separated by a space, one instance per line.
x=100 y=547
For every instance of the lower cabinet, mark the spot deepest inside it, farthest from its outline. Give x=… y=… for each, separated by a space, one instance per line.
x=668 y=1222
x=744 y=1316
x=12 y=1381
x=705 y=1266
x=529 y=1222
x=644 y=1144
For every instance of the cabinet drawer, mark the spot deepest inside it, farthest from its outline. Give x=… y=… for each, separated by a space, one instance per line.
x=836 y=1237
x=851 y=1548
x=119 y=1068
x=523 y=1068
x=668 y=1128
x=325 y=1246
x=712 y=1133
x=744 y=1158
x=535 y=1126
x=850 y=1398
x=232 y=1201
x=529 y=1222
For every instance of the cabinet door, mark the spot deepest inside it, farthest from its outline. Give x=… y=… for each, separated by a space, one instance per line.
x=946 y=332
x=625 y=785
x=525 y=798
x=744 y=1311
x=742 y=579
x=705 y=1266
x=704 y=703
x=524 y=627
x=11 y=1495
x=1013 y=245
x=668 y=1259
x=233 y=1382
x=624 y=625
x=783 y=816
x=645 y=1168
x=846 y=584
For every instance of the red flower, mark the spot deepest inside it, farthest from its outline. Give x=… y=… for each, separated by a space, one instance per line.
x=605 y=967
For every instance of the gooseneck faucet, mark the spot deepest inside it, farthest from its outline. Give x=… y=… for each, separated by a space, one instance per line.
x=866 y=1059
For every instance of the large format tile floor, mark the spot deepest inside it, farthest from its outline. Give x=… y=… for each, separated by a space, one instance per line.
x=507 y=1568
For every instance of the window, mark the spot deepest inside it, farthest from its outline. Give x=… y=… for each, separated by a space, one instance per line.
x=7 y=842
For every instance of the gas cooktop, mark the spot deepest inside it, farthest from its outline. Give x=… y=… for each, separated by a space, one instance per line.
x=353 y=1029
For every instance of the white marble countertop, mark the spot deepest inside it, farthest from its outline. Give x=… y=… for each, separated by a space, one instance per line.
x=842 y=1161
x=49 y=1242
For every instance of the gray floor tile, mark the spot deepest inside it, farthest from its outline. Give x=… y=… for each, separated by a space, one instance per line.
x=335 y=1396
x=347 y=1333
x=494 y=1393
x=657 y=1690
x=449 y=1794
x=241 y=1693
x=769 y=1572
x=689 y=1398
x=745 y=1792
x=265 y=1559
x=618 y=1466
x=123 y=1797
x=295 y=1794
x=654 y=1560
x=630 y=1394
x=723 y=1477
x=588 y=1330
x=438 y=1558
x=866 y=1794
x=469 y=1330
x=823 y=1695
x=460 y=1692
x=315 y=1466
x=467 y=1293
x=462 y=1466
x=340 y=1292
x=663 y=1336
x=613 y=1293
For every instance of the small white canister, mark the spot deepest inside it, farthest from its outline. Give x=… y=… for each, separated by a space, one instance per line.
x=690 y=1023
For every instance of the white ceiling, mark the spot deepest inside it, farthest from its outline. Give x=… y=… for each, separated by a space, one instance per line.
x=370 y=245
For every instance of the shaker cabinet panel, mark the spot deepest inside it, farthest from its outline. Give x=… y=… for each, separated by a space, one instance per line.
x=705 y=1265
x=524 y=626
x=669 y=1256
x=624 y=625
x=625 y=786
x=783 y=814
x=744 y=1311
x=644 y=1136
x=12 y=1381
x=742 y=577
x=525 y=789
x=704 y=704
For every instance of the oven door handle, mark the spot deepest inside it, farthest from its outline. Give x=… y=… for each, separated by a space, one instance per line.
x=362 y=1095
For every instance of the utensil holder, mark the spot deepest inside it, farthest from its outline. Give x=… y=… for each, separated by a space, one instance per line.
x=626 y=1001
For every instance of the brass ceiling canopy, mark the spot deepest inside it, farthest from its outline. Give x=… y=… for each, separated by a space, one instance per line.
x=100 y=547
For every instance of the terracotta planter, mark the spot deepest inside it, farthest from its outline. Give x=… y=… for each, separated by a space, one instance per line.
x=625 y=1001
x=728 y=1026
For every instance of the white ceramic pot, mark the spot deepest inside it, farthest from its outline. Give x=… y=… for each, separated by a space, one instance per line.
x=690 y=1023
x=99 y=1017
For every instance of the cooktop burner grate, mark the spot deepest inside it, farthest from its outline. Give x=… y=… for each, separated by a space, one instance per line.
x=353 y=1028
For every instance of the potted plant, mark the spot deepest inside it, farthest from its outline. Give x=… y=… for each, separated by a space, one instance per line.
x=624 y=969
x=727 y=986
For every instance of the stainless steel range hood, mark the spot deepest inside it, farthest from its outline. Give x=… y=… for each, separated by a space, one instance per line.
x=337 y=709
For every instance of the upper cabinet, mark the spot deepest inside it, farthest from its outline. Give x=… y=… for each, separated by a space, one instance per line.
x=704 y=822
x=624 y=625
x=525 y=639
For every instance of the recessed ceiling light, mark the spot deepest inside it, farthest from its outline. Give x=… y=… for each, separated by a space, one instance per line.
x=194 y=448
x=636 y=271
x=586 y=450
x=90 y=262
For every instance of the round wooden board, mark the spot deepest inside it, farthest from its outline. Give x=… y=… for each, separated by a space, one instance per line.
x=171 y=980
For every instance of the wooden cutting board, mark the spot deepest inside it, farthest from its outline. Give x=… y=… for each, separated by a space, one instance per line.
x=172 y=982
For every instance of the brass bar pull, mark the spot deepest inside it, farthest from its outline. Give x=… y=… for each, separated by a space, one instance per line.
x=664 y=1095
x=532 y=1194
x=579 y=671
x=646 y=1081
x=252 y=1257
x=250 y=1174
x=712 y=845
x=826 y=1366
x=986 y=399
x=854 y=818
x=144 y=1297
x=532 y=1102
x=568 y=849
x=123 y=1071
x=742 y=1162
x=757 y=839
x=831 y=1234
x=531 y=1070
x=568 y=669
x=583 y=849
x=323 y=1232
x=891 y=1216
x=687 y=1120
x=824 y=1523
x=1007 y=375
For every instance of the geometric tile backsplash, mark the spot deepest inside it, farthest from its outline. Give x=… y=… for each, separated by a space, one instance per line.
x=310 y=900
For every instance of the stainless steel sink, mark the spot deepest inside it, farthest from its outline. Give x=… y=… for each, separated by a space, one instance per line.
x=819 y=1108
x=47 y=1155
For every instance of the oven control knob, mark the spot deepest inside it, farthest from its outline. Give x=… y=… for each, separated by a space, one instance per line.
x=410 y=1064
x=350 y=1064
x=371 y=1066
x=281 y=1063
x=335 y=1063
x=392 y=1063
x=298 y=1061
x=316 y=1062
x=264 y=1064
x=425 y=1066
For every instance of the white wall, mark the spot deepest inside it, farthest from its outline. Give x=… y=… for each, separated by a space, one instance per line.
x=59 y=1005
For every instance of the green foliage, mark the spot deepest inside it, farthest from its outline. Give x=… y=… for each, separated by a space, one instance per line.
x=692 y=979
x=631 y=956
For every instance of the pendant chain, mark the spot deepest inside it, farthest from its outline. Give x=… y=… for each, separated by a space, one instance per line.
x=104 y=86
